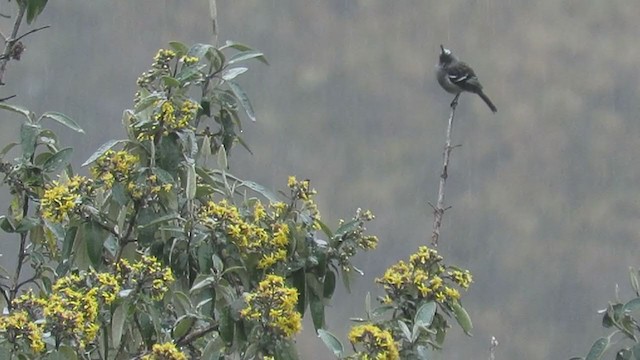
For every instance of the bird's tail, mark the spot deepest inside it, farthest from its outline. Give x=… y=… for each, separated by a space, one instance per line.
x=487 y=101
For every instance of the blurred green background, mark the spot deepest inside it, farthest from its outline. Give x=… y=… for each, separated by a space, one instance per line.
x=544 y=193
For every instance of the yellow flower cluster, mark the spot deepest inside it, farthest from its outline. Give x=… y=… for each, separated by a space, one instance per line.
x=70 y=314
x=377 y=344
x=166 y=351
x=423 y=277
x=273 y=306
x=114 y=166
x=22 y=327
x=61 y=199
x=162 y=58
x=147 y=187
x=301 y=190
x=261 y=235
x=146 y=275
x=172 y=119
x=189 y=60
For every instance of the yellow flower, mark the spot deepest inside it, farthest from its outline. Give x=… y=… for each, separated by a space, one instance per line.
x=166 y=351
x=273 y=305
x=376 y=342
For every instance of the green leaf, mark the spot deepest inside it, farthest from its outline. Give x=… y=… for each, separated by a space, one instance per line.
x=247 y=55
x=299 y=282
x=261 y=190
x=27 y=224
x=243 y=98
x=227 y=325
x=7 y=148
x=34 y=8
x=425 y=313
x=636 y=351
x=118 y=319
x=202 y=283
x=180 y=48
x=182 y=326
x=191 y=182
x=624 y=354
x=598 y=349
x=329 y=284
x=63 y=120
x=405 y=330
x=19 y=110
x=58 y=161
x=63 y=352
x=101 y=150
x=462 y=317
x=631 y=306
x=236 y=45
x=213 y=350
x=94 y=236
x=28 y=135
x=199 y=50
x=232 y=73
x=316 y=307
x=170 y=81
x=332 y=342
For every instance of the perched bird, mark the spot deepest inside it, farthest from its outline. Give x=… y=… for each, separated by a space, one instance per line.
x=456 y=77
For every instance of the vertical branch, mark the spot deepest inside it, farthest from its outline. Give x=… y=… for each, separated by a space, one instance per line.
x=439 y=208
x=10 y=41
x=213 y=12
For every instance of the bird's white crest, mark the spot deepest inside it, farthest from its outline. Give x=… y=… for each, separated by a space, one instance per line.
x=447 y=51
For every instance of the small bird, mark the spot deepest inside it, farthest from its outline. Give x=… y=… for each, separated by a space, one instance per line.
x=456 y=77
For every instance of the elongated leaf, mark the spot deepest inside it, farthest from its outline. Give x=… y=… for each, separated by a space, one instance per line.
x=28 y=135
x=317 y=311
x=58 y=161
x=462 y=317
x=63 y=120
x=213 y=349
x=94 y=237
x=243 y=98
x=34 y=8
x=261 y=190
x=405 y=330
x=329 y=284
x=18 y=109
x=425 y=313
x=178 y=47
x=247 y=55
x=332 y=342
x=191 y=182
x=597 y=349
x=101 y=150
x=232 y=73
x=118 y=320
x=182 y=326
x=236 y=45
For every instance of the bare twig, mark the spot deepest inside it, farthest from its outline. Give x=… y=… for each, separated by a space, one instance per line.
x=492 y=348
x=439 y=209
x=7 y=98
x=31 y=32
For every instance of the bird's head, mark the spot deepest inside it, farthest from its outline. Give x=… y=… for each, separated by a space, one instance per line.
x=446 y=56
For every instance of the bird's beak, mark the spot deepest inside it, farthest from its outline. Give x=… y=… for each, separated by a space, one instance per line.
x=442 y=48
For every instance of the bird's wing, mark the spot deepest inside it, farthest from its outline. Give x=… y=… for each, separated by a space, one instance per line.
x=462 y=75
